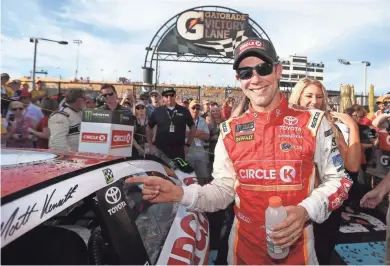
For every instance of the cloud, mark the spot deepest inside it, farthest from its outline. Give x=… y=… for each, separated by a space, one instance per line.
x=116 y=32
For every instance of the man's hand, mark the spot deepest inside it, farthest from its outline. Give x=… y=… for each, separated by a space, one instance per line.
x=156 y=189
x=290 y=230
x=152 y=149
x=372 y=198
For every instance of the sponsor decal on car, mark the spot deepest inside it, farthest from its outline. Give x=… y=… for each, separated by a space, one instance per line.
x=113 y=196
x=247 y=127
x=244 y=138
x=108 y=175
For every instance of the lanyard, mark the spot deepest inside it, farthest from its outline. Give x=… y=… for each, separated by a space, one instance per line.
x=169 y=115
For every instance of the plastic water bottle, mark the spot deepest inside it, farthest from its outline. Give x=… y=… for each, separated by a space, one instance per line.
x=274 y=215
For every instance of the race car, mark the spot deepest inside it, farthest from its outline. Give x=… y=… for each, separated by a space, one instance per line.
x=61 y=207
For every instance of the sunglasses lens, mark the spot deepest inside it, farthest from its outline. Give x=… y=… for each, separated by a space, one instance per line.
x=244 y=73
x=264 y=69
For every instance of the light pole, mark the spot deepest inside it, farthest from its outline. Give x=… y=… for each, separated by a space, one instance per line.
x=35 y=41
x=78 y=42
x=366 y=64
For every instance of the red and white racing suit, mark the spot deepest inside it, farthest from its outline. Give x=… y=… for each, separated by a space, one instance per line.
x=260 y=155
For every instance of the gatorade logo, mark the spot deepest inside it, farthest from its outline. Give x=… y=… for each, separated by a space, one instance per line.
x=270 y=175
x=121 y=139
x=94 y=137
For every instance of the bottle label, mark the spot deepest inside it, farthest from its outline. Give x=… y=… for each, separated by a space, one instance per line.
x=270 y=245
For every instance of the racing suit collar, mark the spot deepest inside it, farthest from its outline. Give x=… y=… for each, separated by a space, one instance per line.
x=270 y=116
x=68 y=106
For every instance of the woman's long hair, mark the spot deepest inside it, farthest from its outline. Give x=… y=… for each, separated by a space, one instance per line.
x=301 y=85
x=212 y=120
x=297 y=91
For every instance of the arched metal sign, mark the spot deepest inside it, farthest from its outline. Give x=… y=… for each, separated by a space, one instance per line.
x=204 y=34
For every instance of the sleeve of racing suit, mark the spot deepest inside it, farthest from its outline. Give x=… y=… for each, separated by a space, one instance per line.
x=59 y=128
x=219 y=193
x=334 y=181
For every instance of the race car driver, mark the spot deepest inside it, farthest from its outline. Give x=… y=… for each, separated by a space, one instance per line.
x=64 y=125
x=272 y=149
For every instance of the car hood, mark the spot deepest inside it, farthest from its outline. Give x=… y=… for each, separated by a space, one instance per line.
x=24 y=169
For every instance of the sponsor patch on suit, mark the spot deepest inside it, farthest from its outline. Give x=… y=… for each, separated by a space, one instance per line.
x=244 y=138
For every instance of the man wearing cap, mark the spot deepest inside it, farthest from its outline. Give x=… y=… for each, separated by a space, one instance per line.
x=39 y=92
x=185 y=102
x=381 y=107
x=171 y=120
x=196 y=156
x=156 y=102
x=6 y=93
x=64 y=125
x=273 y=149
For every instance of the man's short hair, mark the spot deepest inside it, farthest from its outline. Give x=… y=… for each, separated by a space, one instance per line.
x=108 y=86
x=74 y=95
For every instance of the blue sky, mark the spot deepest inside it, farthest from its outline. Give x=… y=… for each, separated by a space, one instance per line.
x=115 y=33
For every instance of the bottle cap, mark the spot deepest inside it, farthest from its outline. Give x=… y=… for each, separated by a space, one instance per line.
x=275 y=201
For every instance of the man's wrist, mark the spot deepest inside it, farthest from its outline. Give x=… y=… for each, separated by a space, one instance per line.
x=177 y=193
x=307 y=217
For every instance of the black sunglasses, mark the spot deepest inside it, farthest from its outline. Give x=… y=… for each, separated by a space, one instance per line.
x=263 y=69
x=108 y=94
x=196 y=108
x=169 y=95
x=17 y=109
x=140 y=107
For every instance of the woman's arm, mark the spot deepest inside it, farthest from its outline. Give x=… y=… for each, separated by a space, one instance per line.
x=45 y=134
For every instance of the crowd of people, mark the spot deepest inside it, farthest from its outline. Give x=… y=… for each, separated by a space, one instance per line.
x=325 y=149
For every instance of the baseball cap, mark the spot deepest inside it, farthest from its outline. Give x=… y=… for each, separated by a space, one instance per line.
x=14 y=81
x=380 y=99
x=139 y=103
x=255 y=47
x=154 y=92
x=73 y=95
x=168 y=90
x=185 y=100
x=4 y=75
x=193 y=103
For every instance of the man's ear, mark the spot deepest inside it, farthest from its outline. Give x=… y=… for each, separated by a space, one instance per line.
x=279 y=70
x=237 y=77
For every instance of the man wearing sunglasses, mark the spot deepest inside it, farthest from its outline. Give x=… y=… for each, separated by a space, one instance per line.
x=171 y=120
x=273 y=149
x=110 y=97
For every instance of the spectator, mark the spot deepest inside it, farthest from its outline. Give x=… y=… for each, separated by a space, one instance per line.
x=17 y=127
x=206 y=108
x=140 y=129
x=144 y=97
x=64 y=125
x=110 y=96
x=39 y=93
x=90 y=101
x=362 y=115
x=185 y=102
x=42 y=131
x=311 y=93
x=25 y=86
x=15 y=85
x=215 y=121
x=196 y=156
x=227 y=108
x=156 y=102
x=171 y=120
x=5 y=89
x=31 y=110
x=381 y=107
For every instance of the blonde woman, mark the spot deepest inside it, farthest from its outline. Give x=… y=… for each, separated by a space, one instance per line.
x=312 y=94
